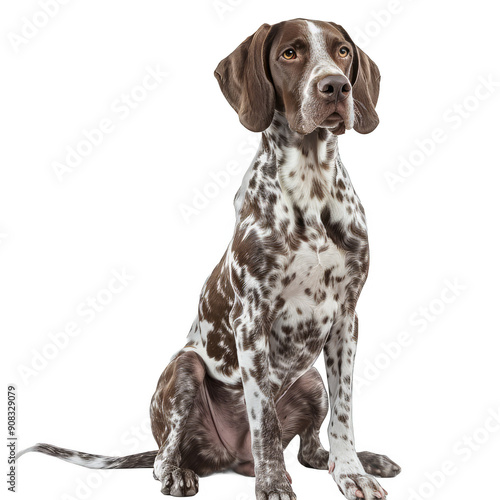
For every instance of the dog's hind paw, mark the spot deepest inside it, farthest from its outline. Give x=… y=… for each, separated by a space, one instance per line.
x=316 y=460
x=179 y=482
x=378 y=465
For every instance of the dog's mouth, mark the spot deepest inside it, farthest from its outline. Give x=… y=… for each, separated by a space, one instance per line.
x=335 y=122
x=334 y=118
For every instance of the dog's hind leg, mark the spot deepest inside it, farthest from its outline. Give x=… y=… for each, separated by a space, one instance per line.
x=170 y=409
x=301 y=411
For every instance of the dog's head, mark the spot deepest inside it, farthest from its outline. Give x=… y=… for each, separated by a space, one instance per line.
x=310 y=70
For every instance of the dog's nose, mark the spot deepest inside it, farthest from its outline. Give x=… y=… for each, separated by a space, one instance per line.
x=334 y=88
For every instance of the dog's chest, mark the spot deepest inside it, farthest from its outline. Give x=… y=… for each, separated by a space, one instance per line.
x=314 y=269
x=318 y=277
x=299 y=249
x=314 y=198
x=314 y=287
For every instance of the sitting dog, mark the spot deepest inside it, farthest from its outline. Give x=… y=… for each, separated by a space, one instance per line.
x=285 y=290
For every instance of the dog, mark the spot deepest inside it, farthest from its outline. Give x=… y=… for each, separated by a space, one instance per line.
x=286 y=288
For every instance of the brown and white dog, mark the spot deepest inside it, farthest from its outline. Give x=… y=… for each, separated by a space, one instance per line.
x=285 y=290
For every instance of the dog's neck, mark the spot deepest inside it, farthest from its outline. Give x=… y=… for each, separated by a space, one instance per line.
x=306 y=164
x=319 y=146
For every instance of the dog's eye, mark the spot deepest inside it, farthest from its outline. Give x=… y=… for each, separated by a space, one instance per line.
x=343 y=52
x=289 y=54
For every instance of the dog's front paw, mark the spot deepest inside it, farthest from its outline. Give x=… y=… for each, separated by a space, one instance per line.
x=355 y=484
x=179 y=482
x=275 y=493
x=274 y=490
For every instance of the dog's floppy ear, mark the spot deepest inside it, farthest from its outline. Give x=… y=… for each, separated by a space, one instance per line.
x=245 y=81
x=365 y=81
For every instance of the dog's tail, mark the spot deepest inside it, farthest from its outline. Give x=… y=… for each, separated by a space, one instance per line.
x=138 y=461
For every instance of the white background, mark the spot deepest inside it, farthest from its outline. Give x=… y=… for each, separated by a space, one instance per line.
x=122 y=208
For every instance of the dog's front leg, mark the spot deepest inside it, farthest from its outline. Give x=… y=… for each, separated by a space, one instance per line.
x=249 y=326
x=344 y=463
